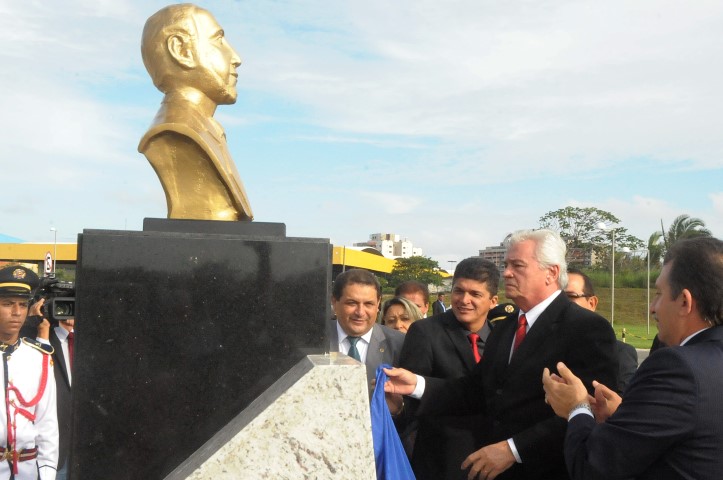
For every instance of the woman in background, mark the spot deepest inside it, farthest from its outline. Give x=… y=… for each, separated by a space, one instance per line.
x=399 y=313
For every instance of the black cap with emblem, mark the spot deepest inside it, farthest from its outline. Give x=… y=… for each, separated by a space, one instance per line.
x=501 y=312
x=17 y=281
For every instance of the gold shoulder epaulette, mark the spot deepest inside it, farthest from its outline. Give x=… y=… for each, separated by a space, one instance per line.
x=45 y=348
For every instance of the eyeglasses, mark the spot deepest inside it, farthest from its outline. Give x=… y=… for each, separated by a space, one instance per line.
x=573 y=295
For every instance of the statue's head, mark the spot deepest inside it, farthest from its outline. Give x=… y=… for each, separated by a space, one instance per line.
x=184 y=47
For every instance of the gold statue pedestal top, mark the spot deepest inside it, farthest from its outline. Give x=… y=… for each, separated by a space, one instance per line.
x=190 y=61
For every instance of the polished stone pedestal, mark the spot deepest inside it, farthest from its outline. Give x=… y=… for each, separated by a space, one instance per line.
x=312 y=423
x=178 y=332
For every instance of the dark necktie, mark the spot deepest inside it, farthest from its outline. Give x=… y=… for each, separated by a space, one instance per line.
x=353 y=352
x=473 y=337
x=71 y=341
x=521 y=332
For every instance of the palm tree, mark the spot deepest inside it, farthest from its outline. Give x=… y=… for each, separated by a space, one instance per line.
x=656 y=248
x=684 y=226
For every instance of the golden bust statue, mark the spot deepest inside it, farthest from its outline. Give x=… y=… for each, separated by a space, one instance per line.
x=190 y=61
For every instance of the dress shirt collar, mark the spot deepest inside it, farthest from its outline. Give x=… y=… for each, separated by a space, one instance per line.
x=367 y=337
x=61 y=333
x=687 y=339
x=537 y=310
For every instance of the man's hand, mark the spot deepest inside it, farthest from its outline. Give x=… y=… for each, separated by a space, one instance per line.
x=606 y=402
x=563 y=391
x=36 y=309
x=43 y=327
x=490 y=461
x=395 y=403
x=400 y=381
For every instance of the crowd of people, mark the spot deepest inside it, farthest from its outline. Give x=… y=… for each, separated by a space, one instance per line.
x=540 y=388
x=534 y=389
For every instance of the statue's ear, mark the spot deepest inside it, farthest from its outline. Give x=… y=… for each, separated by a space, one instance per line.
x=180 y=49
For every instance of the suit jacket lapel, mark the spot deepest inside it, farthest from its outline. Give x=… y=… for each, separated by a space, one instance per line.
x=540 y=332
x=377 y=347
x=458 y=337
x=59 y=356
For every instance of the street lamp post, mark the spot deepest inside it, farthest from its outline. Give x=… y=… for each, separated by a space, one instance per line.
x=451 y=263
x=605 y=228
x=647 y=285
x=55 y=247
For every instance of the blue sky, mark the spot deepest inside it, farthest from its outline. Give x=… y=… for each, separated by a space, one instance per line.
x=449 y=123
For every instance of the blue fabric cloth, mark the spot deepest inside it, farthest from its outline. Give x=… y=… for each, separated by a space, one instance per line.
x=391 y=460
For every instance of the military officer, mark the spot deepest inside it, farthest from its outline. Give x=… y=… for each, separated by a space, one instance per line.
x=28 y=421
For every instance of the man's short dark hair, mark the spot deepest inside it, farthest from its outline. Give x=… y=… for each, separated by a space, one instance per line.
x=587 y=288
x=355 y=275
x=698 y=267
x=411 y=287
x=478 y=269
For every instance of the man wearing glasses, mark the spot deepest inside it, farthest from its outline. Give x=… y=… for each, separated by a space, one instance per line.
x=580 y=290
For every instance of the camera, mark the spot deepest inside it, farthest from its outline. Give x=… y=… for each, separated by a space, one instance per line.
x=59 y=299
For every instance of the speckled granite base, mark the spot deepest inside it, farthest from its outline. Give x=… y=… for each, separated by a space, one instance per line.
x=313 y=423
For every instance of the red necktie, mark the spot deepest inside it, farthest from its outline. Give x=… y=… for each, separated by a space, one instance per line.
x=70 y=348
x=473 y=337
x=521 y=332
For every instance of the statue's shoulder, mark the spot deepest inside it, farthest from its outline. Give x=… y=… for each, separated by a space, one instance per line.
x=175 y=119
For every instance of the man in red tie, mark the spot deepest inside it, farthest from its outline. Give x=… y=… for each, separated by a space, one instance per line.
x=449 y=345
x=523 y=439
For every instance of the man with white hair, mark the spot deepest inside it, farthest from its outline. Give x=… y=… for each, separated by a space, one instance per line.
x=523 y=438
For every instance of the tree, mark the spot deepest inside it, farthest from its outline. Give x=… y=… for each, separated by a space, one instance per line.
x=656 y=248
x=578 y=228
x=421 y=269
x=684 y=226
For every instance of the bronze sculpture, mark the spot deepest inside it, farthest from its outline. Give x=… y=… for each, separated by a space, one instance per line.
x=190 y=61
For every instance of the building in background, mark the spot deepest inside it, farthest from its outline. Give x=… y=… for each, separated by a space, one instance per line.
x=391 y=245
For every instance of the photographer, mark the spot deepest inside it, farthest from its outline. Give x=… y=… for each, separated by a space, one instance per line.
x=28 y=422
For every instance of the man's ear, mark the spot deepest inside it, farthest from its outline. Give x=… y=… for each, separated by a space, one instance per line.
x=686 y=305
x=553 y=274
x=592 y=301
x=180 y=50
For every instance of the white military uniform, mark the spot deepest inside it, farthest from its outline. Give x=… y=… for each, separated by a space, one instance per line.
x=30 y=420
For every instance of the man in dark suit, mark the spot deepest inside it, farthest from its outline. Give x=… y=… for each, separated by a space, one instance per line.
x=523 y=439
x=670 y=422
x=580 y=290
x=355 y=299
x=62 y=339
x=438 y=306
x=449 y=345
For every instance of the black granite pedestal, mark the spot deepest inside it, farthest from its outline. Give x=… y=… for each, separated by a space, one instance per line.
x=179 y=330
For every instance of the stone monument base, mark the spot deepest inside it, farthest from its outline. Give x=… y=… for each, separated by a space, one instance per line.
x=314 y=422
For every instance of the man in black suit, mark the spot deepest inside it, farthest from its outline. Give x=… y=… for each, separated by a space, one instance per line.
x=670 y=422
x=62 y=339
x=355 y=299
x=523 y=438
x=580 y=290
x=449 y=345
x=438 y=306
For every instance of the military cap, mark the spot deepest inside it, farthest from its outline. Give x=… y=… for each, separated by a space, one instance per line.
x=17 y=281
x=501 y=312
